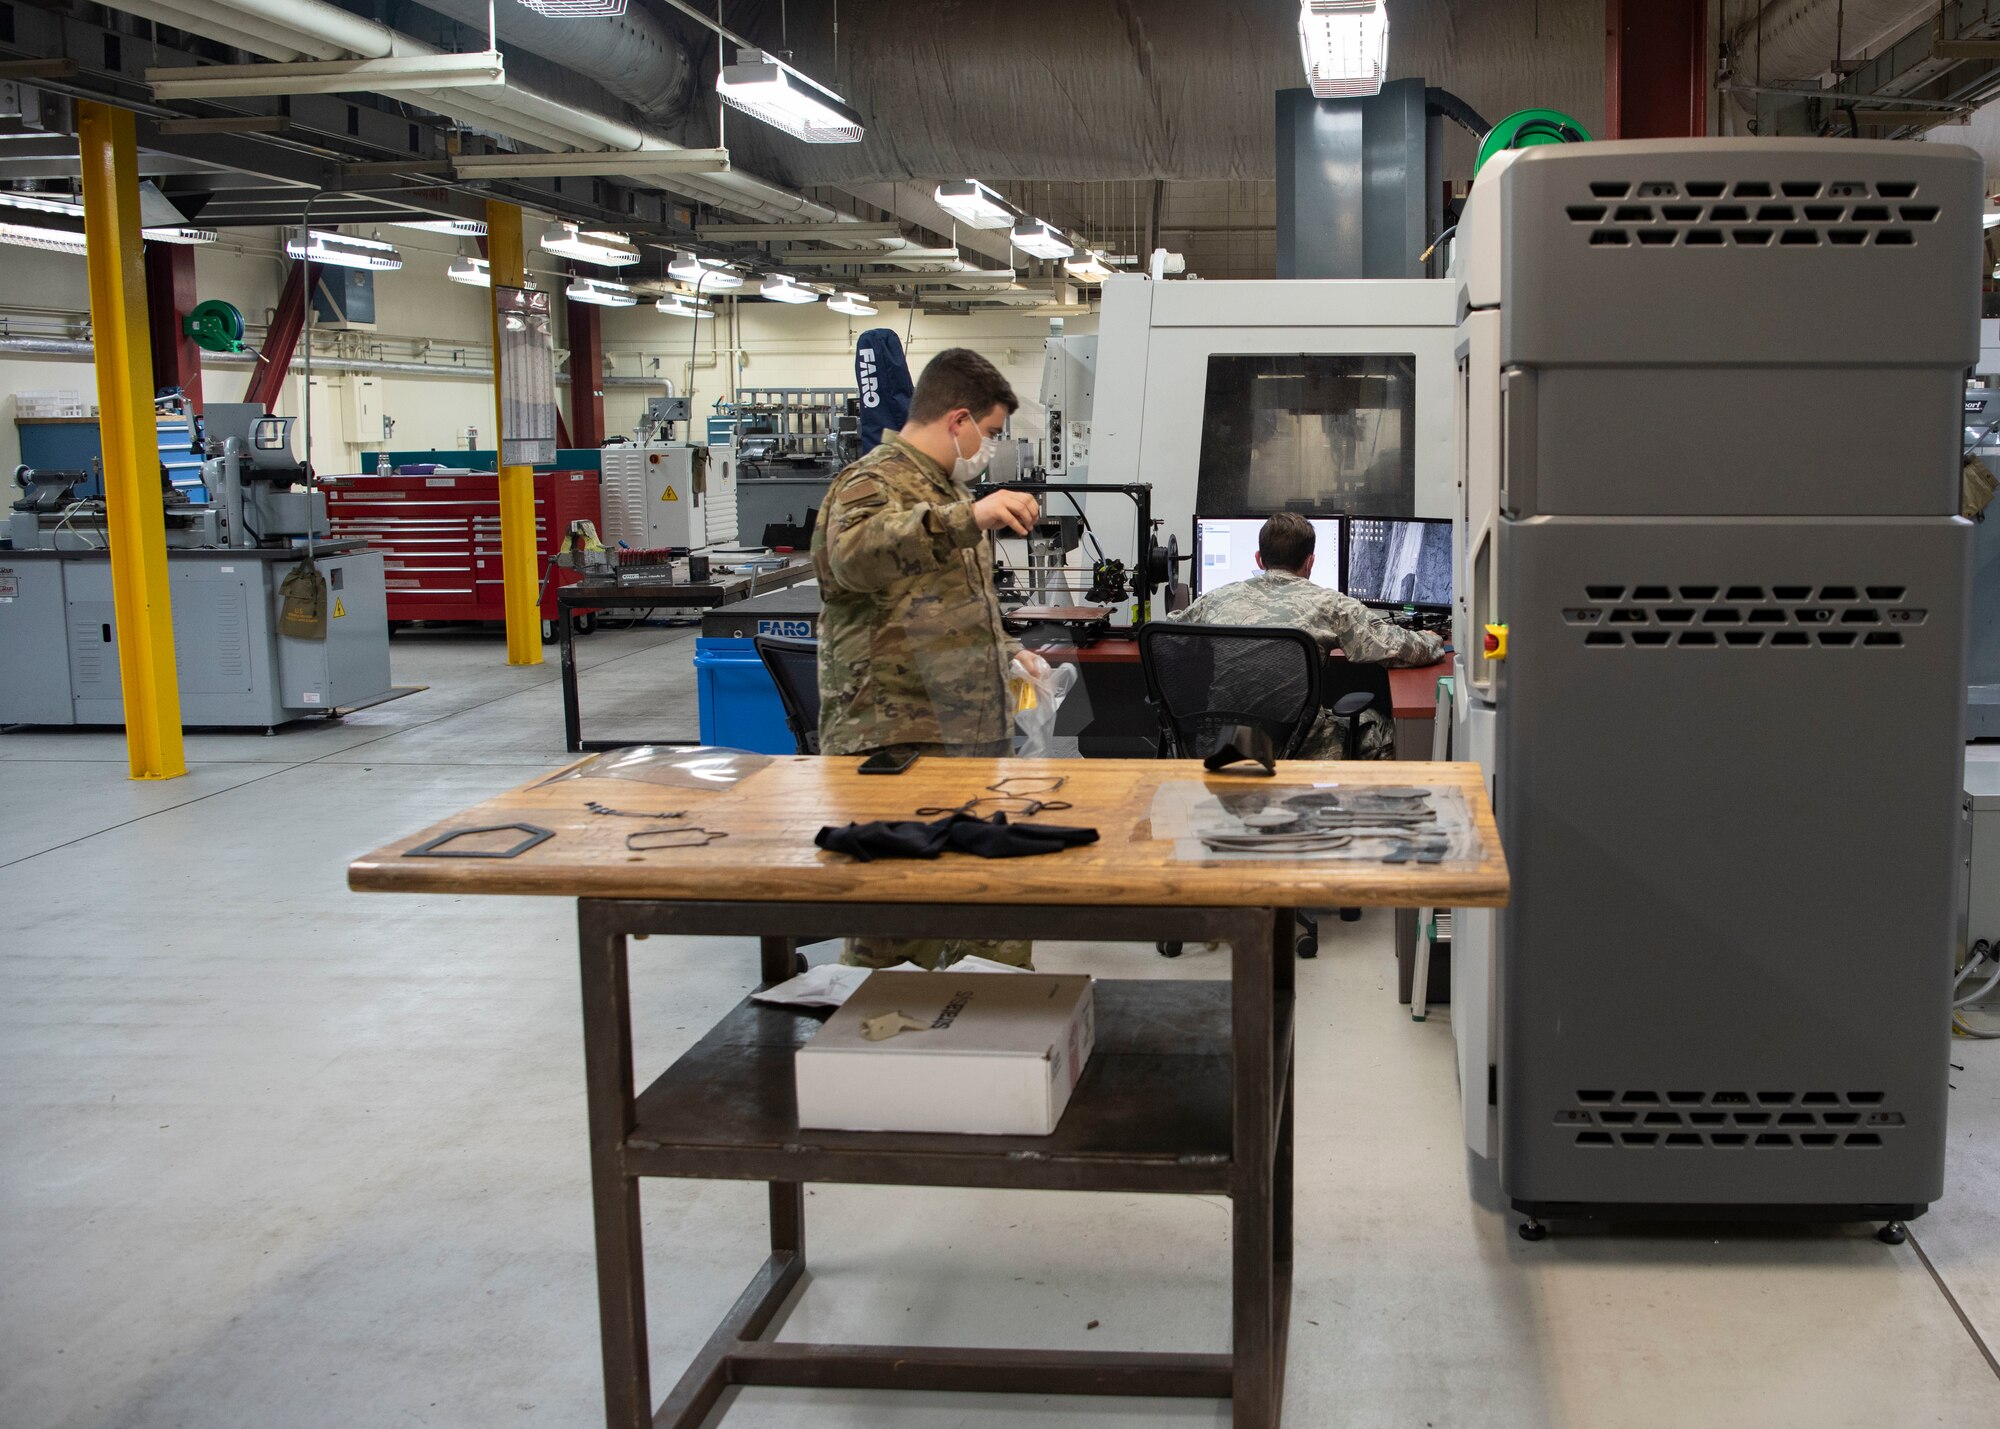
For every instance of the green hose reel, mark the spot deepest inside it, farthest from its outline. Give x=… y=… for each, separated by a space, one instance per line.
x=215 y=326
x=1526 y=128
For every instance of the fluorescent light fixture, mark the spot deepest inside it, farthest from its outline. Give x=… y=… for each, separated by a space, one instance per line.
x=680 y=305
x=338 y=250
x=1090 y=268
x=382 y=76
x=607 y=250
x=55 y=240
x=1039 y=240
x=473 y=272
x=783 y=288
x=973 y=204
x=600 y=292
x=460 y=227
x=41 y=203
x=1345 y=46
x=767 y=88
x=180 y=233
x=855 y=305
x=714 y=275
x=577 y=9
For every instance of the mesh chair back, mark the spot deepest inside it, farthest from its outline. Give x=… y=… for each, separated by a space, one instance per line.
x=1356 y=677
x=794 y=667
x=1206 y=679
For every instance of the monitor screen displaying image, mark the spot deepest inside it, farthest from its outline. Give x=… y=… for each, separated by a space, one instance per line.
x=1225 y=551
x=1399 y=562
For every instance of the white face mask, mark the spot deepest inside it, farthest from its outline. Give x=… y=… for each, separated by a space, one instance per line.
x=968 y=469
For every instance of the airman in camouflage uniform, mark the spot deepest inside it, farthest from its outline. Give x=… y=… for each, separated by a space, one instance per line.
x=1280 y=597
x=912 y=654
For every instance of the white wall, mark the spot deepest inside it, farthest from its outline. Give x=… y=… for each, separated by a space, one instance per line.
x=421 y=315
x=796 y=346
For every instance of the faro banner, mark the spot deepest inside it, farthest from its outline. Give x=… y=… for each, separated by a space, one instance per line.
x=883 y=375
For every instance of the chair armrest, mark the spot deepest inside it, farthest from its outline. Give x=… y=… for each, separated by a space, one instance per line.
x=1354 y=704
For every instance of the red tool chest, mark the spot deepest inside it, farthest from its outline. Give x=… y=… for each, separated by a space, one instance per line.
x=440 y=537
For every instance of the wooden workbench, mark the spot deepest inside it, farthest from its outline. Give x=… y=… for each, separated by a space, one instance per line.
x=1188 y=1091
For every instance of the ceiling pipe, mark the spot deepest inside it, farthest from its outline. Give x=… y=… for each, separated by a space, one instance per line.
x=287 y=30
x=322 y=361
x=634 y=55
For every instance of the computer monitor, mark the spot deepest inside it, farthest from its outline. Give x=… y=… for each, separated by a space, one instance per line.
x=1225 y=551
x=1399 y=562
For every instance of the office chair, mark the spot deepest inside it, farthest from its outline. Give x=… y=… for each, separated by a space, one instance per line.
x=1204 y=680
x=794 y=667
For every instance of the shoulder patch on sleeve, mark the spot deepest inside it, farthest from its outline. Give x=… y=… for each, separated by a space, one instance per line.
x=859 y=488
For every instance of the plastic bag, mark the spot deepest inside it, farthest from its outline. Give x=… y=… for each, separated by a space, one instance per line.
x=676 y=766
x=1036 y=698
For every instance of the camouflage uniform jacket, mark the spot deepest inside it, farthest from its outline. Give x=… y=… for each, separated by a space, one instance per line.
x=911 y=649
x=1281 y=598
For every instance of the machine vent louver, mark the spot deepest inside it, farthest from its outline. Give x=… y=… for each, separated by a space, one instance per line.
x=1744 y=617
x=1762 y=1120
x=1861 y=218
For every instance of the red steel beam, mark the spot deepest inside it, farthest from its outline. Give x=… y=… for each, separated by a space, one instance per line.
x=170 y=297
x=268 y=379
x=1655 y=69
x=586 y=374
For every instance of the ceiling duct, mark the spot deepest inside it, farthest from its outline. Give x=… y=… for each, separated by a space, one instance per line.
x=634 y=55
x=1785 y=42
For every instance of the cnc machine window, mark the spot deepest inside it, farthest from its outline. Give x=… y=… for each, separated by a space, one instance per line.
x=1311 y=433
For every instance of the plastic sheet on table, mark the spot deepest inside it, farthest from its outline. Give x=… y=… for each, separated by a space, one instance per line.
x=1209 y=822
x=675 y=766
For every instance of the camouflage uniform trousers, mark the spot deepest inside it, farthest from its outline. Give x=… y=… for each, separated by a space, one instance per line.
x=937 y=953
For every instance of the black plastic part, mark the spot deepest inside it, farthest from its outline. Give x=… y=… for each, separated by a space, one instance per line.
x=1532 y=1230
x=1169 y=950
x=888 y=761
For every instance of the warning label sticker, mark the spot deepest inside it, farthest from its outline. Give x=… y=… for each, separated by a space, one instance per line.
x=338 y=609
x=670 y=495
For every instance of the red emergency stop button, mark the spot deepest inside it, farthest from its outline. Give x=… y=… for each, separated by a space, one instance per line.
x=1496 y=642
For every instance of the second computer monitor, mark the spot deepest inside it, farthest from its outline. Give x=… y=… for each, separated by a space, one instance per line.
x=1399 y=562
x=1225 y=551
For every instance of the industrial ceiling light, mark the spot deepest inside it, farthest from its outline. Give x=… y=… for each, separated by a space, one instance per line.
x=855 y=305
x=783 y=288
x=473 y=272
x=460 y=227
x=680 y=305
x=1345 y=45
x=607 y=250
x=712 y=274
x=339 y=250
x=160 y=219
x=601 y=292
x=1039 y=240
x=54 y=240
x=577 y=9
x=1090 y=268
x=973 y=204
x=767 y=88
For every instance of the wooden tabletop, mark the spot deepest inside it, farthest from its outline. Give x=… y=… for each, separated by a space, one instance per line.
x=771 y=817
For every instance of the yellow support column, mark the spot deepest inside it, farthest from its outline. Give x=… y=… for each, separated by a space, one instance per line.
x=520 y=557
x=140 y=591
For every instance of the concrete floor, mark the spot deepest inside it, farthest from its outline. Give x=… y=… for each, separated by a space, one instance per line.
x=275 y=1154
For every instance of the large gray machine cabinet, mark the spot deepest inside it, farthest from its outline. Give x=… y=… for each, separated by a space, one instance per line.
x=1729 y=720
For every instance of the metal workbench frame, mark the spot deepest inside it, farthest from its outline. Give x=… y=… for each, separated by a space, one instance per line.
x=1255 y=1171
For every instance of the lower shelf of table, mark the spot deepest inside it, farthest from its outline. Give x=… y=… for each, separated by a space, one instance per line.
x=1152 y=1112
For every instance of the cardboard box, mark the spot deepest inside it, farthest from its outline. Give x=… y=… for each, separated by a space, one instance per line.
x=996 y=1055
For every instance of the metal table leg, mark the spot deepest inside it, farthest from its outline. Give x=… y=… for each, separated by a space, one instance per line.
x=572 y=715
x=1257 y=1177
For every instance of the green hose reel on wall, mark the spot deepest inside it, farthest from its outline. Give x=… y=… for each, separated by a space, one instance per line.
x=215 y=326
x=1525 y=128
